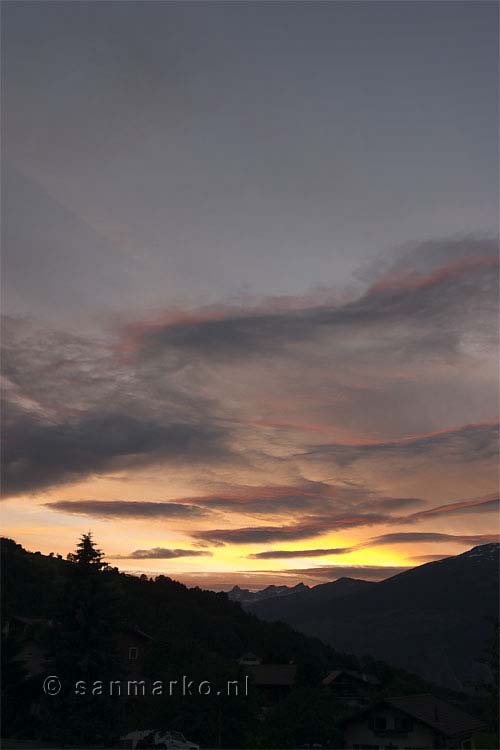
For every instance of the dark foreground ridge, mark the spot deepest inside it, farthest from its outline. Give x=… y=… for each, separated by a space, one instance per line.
x=88 y=626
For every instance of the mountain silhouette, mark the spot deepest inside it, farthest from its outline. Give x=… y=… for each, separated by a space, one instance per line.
x=434 y=620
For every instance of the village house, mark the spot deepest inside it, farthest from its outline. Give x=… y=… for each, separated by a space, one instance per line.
x=412 y=722
x=31 y=633
x=132 y=645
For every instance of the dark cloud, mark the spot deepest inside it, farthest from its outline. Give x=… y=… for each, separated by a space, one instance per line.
x=71 y=410
x=411 y=299
x=277 y=504
x=481 y=505
x=428 y=536
x=282 y=553
x=308 y=528
x=127 y=509
x=354 y=513
x=392 y=503
x=310 y=497
x=40 y=453
x=351 y=516
x=160 y=553
x=256 y=534
x=281 y=498
x=417 y=260
x=79 y=406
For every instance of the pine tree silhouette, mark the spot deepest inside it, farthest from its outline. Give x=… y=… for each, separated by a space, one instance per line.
x=87 y=554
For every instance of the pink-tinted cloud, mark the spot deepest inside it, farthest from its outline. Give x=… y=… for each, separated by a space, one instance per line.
x=395 y=281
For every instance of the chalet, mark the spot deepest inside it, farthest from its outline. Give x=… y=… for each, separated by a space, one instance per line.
x=30 y=633
x=353 y=687
x=412 y=722
x=132 y=645
x=274 y=678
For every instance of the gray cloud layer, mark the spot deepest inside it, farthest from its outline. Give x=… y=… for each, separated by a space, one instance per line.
x=77 y=407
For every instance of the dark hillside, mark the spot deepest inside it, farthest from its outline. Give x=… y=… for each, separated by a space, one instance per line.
x=433 y=620
x=77 y=617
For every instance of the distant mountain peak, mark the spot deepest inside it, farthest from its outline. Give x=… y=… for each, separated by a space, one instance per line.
x=245 y=596
x=444 y=608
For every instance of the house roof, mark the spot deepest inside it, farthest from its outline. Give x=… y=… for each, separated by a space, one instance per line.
x=438 y=714
x=31 y=620
x=135 y=631
x=274 y=675
x=361 y=676
x=434 y=712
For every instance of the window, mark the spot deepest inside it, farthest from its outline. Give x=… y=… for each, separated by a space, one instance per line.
x=133 y=653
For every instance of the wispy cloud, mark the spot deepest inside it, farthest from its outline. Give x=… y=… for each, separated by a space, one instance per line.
x=417 y=537
x=310 y=527
x=479 y=505
x=127 y=509
x=283 y=553
x=161 y=553
x=464 y=443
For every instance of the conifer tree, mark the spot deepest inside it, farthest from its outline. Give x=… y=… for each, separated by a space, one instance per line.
x=87 y=554
x=83 y=649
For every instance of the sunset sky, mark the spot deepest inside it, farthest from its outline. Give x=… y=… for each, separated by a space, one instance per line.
x=250 y=284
